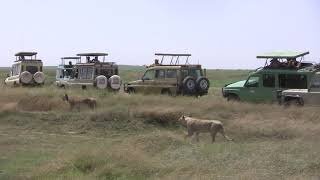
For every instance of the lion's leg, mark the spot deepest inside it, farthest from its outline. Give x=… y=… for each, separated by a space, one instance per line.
x=190 y=133
x=197 y=136
x=213 y=135
x=223 y=134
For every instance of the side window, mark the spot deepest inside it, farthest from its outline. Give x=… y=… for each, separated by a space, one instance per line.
x=149 y=75
x=253 y=82
x=293 y=81
x=86 y=72
x=171 y=74
x=160 y=74
x=269 y=80
x=315 y=82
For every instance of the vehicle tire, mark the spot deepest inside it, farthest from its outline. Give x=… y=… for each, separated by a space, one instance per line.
x=295 y=102
x=25 y=77
x=131 y=90
x=202 y=84
x=166 y=92
x=101 y=82
x=39 y=77
x=115 y=82
x=233 y=97
x=189 y=85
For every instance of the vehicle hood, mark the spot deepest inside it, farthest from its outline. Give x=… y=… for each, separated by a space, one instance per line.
x=237 y=84
x=135 y=82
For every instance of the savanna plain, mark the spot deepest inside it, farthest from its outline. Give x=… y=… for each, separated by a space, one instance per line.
x=137 y=136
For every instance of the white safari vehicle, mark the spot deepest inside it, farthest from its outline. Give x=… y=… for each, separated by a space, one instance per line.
x=300 y=97
x=93 y=72
x=26 y=70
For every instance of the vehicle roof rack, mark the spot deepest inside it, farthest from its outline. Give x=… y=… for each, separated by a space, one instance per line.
x=26 y=54
x=92 y=54
x=283 y=55
x=70 y=58
x=175 y=58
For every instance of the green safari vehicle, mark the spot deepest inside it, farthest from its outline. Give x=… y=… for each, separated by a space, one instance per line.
x=282 y=70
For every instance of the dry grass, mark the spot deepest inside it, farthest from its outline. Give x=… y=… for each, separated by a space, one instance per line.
x=137 y=137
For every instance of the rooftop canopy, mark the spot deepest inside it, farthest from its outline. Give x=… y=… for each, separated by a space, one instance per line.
x=70 y=58
x=165 y=54
x=92 y=54
x=282 y=55
x=26 y=53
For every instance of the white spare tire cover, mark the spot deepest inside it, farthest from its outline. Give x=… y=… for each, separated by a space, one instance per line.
x=39 y=77
x=25 y=77
x=102 y=82
x=115 y=82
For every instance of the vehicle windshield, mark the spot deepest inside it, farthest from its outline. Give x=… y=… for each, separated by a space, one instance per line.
x=149 y=75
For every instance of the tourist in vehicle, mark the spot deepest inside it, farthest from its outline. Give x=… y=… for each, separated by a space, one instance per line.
x=88 y=59
x=275 y=63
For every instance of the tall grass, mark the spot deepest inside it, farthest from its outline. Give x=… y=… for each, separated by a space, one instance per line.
x=138 y=137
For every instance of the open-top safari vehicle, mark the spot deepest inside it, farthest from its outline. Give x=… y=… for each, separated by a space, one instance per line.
x=26 y=70
x=282 y=70
x=88 y=70
x=172 y=78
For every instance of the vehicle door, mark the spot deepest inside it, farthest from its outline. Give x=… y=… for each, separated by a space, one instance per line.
x=160 y=81
x=268 y=91
x=172 y=80
x=146 y=85
x=250 y=91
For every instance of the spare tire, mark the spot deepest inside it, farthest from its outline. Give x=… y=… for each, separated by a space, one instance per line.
x=115 y=82
x=203 y=84
x=39 y=77
x=189 y=85
x=25 y=77
x=101 y=82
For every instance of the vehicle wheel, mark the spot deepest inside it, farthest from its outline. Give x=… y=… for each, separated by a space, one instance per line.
x=203 y=84
x=115 y=82
x=189 y=85
x=39 y=77
x=296 y=102
x=233 y=97
x=101 y=82
x=131 y=91
x=25 y=77
x=166 y=92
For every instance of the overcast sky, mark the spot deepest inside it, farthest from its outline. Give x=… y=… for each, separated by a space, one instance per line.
x=218 y=33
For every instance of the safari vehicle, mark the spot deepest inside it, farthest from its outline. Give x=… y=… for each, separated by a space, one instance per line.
x=300 y=97
x=172 y=78
x=94 y=72
x=266 y=83
x=26 y=70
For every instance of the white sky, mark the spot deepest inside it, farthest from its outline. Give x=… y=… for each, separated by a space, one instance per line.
x=218 y=33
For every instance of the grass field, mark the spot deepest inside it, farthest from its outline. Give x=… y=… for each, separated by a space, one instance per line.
x=137 y=137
